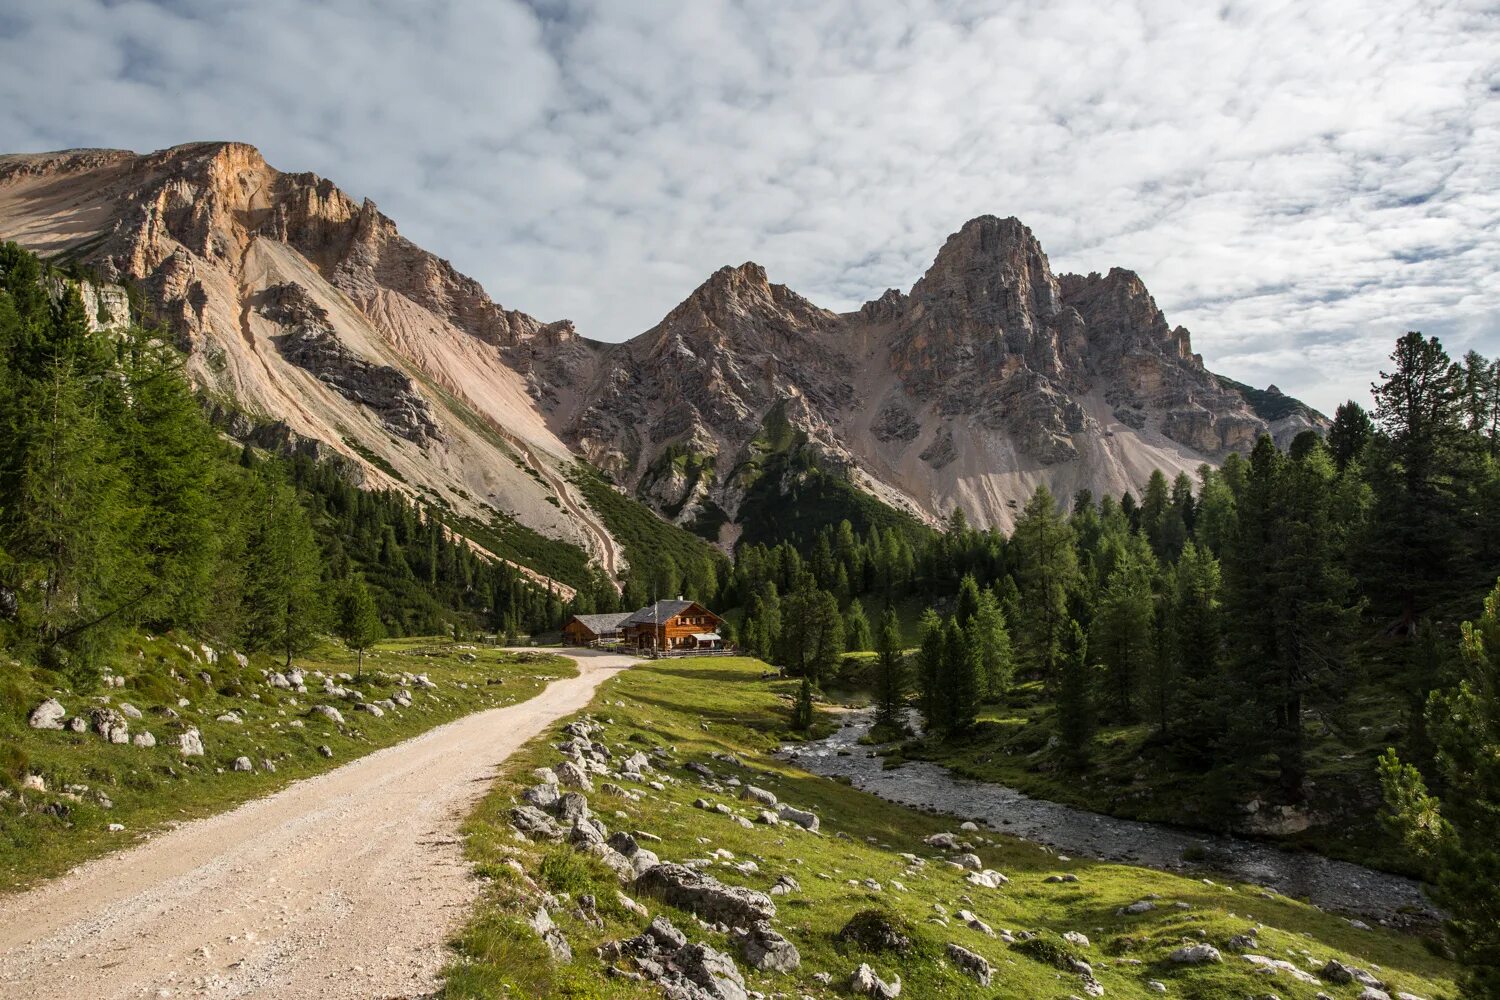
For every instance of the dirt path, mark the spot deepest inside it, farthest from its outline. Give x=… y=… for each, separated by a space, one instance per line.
x=345 y=885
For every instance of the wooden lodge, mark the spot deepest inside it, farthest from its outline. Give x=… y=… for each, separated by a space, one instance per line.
x=662 y=628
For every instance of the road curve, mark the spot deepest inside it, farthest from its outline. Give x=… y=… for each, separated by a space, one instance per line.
x=345 y=885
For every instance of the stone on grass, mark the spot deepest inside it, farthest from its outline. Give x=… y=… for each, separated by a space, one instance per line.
x=705 y=896
x=48 y=715
x=570 y=775
x=1196 y=954
x=144 y=740
x=243 y=764
x=987 y=879
x=531 y=822
x=552 y=937
x=864 y=982
x=543 y=796
x=976 y=967
x=190 y=743
x=328 y=712
x=769 y=951
x=802 y=817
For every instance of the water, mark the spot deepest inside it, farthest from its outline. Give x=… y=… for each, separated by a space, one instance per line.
x=1332 y=885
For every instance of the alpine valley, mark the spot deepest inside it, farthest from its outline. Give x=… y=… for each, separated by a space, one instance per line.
x=312 y=324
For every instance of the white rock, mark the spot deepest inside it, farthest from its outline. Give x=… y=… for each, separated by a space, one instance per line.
x=48 y=715
x=191 y=743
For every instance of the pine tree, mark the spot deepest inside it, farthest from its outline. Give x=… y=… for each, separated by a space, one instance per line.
x=802 y=708
x=1123 y=629
x=1046 y=571
x=856 y=628
x=1189 y=690
x=1421 y=470
x=968 y=600
x=1455 y=833
x=285 y=598
x=931 y=698
x=357 y=623
x=1075 y=713
x=991 y=639
x=890 y=674
x=79 y=572
x=961 y=678
x=1351 y=431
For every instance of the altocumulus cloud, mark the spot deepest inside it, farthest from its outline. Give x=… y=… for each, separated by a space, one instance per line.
x=1297 y=183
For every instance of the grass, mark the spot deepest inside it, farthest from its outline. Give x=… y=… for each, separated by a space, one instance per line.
x=719 y=712
x=45 y=833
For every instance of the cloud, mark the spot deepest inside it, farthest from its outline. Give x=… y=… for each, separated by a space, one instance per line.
x=1296 y=183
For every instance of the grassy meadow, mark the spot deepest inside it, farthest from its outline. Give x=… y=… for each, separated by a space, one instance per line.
x=720 y=713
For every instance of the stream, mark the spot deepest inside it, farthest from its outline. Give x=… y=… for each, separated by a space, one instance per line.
x=1333 y=885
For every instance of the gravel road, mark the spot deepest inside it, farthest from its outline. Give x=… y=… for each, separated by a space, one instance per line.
x=343 y=885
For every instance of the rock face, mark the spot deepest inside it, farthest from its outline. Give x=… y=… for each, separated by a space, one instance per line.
x=990 y=376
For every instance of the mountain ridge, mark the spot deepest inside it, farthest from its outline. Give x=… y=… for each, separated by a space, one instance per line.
x=988 y=377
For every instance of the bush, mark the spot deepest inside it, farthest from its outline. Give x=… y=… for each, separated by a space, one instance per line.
x=879 y=930
x=1047 y=952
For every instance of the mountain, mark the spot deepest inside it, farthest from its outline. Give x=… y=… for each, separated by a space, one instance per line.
x=991 y=376
x=323 y=327
x=317 y=325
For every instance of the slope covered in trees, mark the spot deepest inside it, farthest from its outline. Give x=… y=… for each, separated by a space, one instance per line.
x=122 y=507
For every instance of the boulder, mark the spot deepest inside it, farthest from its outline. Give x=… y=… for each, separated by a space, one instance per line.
x=542 y=796
x=572 y=806
x=374 y=710
x=802 y=817
x=533 y=823
x=1268 y=965
x=551 y=935
x=987 y=879
x=864 y=982
x=129 y=711
x=328 y=712
x=752 y=794
x=570 y=775
x=243 y=764
x=942 y=841
x=190 y=743
x=976 y=967
x=769 y=951
x=969 y=861
x=110 y=724
x=683 y=970
x=233 y=718
x=48 y=715
x=705 y=896
x=1196 y=954
x=144 y=740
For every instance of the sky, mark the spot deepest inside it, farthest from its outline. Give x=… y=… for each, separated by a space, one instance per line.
x=1297 y=183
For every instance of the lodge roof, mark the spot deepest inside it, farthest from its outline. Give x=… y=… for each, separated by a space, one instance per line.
x=598 y=624
x=661 y=611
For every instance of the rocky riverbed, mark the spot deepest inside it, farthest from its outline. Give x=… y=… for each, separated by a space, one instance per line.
x=1333 y=885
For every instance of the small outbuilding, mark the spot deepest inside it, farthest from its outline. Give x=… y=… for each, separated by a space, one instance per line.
x=594 y=630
